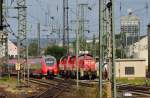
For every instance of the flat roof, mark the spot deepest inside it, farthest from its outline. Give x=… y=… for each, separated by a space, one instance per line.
x=130 y=60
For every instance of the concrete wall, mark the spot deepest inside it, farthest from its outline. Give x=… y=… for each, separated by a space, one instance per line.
x=138 y=64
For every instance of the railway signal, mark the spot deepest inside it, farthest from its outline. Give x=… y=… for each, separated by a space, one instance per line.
x=17 y=66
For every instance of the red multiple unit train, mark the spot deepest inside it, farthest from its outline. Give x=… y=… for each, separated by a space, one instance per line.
x=86 y=66
x=39 y=66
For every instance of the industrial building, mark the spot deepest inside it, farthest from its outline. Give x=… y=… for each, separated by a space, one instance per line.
x=131 y=68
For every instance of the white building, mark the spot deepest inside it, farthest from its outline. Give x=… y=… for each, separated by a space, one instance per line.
x=2 y=51
x=12 y=49
x=139 y=50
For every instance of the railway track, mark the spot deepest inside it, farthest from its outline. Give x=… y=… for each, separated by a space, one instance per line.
x=54 y=88
x=137 y=89
x=40 y=82
x=59 y=85
x=54 y=91
x=73 y=82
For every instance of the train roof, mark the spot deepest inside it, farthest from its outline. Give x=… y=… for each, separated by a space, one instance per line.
x=73 y=56
x=47 y=56
x=86 y=55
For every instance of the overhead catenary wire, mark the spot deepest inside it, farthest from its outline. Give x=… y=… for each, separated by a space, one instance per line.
x=11 y=30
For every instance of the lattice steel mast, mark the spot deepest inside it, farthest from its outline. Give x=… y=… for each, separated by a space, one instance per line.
x=82 y=21
x=65 y=25
x=3 y=32
x=22 y=33
x=107 y=43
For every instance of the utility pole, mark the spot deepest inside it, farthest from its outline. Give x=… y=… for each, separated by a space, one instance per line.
x=148 y=33
x=82 y=21
x=107 y=46
x=22 y=36
x=100 y=47
x=65 y=25
x=38 y=35
x=77 y=43
x=3 y=32
x=94 y=46
x=1 y=15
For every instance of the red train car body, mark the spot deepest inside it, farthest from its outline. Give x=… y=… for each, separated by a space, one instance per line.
x=86 y=65
x=39 y=66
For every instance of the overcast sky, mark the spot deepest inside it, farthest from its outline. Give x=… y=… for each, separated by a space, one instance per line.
x=38 y=8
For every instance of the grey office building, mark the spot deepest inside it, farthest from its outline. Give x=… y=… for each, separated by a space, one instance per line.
x=130 y=30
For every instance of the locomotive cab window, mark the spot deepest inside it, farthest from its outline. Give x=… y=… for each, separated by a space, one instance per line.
x=49 y=61
x=129 y=71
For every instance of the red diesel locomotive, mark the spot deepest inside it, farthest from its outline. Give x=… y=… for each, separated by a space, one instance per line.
x=86 y=65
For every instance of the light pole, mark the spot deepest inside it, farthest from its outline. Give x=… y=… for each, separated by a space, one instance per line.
x=77 y=43
x=100 y=47
x=77 y=53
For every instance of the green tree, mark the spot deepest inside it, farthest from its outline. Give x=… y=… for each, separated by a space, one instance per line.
x=33 y=49
x=74 y=46
x=55 y=51
x=120 y=45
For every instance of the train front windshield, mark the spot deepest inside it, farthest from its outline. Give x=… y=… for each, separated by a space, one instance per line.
x=50 y=61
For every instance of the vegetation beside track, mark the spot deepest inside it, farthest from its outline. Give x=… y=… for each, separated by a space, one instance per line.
x=87 y=92
x=134 y=81
x=7 y=79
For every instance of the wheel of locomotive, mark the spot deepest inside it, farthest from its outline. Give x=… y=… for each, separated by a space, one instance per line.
x=50 y=75
x=73 y=74
x=40 y=76
x=64 y=74
x=86 y=76
x=93 y=75
x=79 y=76
x=61 y=73
x=31 y=75
x=67 y=74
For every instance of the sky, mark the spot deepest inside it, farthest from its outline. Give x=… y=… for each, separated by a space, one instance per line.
x=42 y=11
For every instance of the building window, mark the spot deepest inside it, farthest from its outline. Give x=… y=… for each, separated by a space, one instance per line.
x=129 y=70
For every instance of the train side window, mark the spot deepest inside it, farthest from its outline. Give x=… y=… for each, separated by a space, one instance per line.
x=129 y=71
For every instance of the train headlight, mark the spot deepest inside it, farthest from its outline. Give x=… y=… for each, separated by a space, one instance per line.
x=55 y=71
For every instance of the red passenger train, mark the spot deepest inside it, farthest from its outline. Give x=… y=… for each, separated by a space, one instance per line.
x=86 y=65
x=39 y=66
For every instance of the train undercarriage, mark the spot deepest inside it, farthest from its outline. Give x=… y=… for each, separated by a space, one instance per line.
x=83 y=75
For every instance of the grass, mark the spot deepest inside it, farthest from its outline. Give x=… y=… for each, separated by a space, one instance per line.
x=87 y=92
x=134 y=81
x=7 y=80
